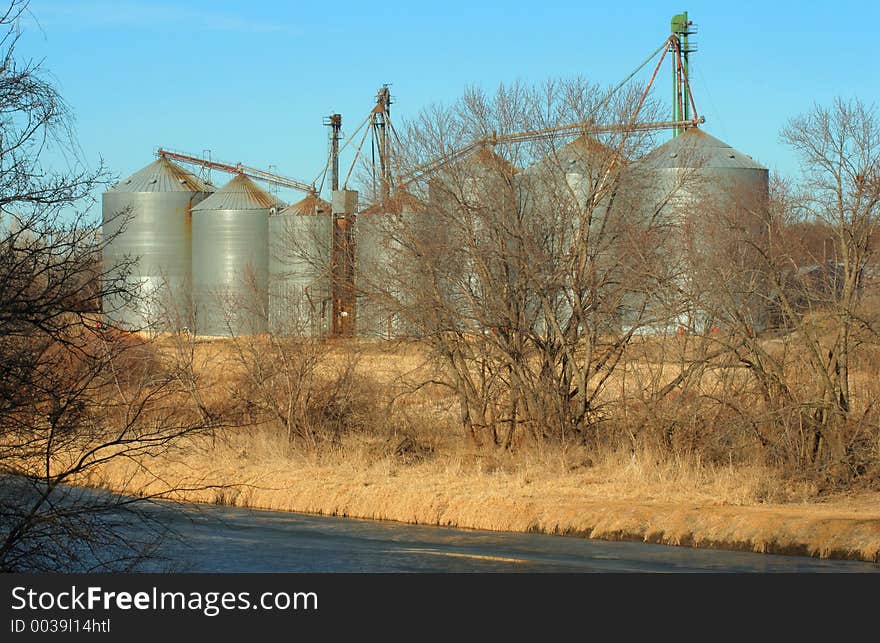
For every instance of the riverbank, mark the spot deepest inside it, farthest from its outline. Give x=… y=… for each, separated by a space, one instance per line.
x=386 y=443
x=619 y=498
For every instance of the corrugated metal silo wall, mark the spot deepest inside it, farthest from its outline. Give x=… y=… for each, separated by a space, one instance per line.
x=299 y=274
x=692 y=204
x=373 y=278
x=555 y=197
x=725 y=194
x=466 y=205
x=390 y=298
x=230 y=271
x=156 y=229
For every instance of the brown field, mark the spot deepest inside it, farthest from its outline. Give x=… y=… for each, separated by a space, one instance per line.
x=419 y=469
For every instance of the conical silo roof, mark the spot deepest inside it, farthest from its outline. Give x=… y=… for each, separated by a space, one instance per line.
x=575 y=154
x=241 y=193
x=695 y=148
x=162 y=175
x=398 y=203
x=486 y=157
x=484 y=164
x=311 y=205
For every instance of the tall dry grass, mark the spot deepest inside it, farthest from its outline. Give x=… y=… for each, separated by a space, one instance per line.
x=562 y=491
x=389 y=446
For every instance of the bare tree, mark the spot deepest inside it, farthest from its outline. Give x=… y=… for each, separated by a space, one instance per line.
x=75 y=393
x=791 y=286
x=840 y=152
x=526 y=285
x=552 y=297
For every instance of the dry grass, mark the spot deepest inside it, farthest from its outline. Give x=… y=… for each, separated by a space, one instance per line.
x=416 y=468
x=620 y=497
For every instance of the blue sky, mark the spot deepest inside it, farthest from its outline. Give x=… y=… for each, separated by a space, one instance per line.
x=252 y=80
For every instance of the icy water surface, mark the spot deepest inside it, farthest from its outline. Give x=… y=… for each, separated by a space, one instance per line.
x=228 y=539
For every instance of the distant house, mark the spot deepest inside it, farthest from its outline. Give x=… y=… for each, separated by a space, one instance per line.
x=822 y=282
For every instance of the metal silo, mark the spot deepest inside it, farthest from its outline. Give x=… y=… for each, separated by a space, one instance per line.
x=563 y=199
x=385 y=277
x=230 y=259
x=299 y=268
x=697 y=165
x=574 y=183
x=147 y=218
x=698 y=188
x=469 y=202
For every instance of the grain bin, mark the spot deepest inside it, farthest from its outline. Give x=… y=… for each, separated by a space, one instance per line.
x=299 y=268
x=230 y=259
x=701 y=191
x=562 y=203
x=388 y=237
x=147 y=220
x=469 y=201
x=696 y=165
